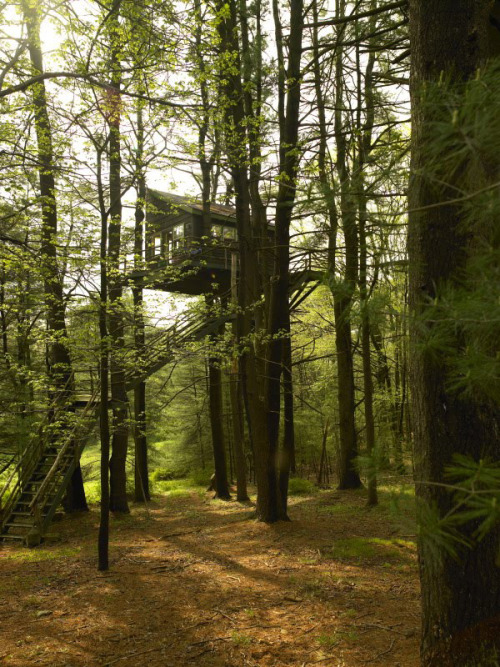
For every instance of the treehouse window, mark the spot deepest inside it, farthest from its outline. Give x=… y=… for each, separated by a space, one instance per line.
x=229 y=233
x=157 y=246
x=178 y=237
x=216 y=231
x=223 y=232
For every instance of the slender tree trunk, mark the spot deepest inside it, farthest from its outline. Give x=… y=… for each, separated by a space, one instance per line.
x=365 y=130
x=279 y=310
x=238 y=434
x=141 y=472
x=460 y=598
x=119 y=444
x=343 y=292
x=322 y=472
x=103 y=536
x=216 y=411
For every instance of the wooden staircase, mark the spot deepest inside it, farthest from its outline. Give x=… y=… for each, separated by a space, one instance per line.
x=37 y=484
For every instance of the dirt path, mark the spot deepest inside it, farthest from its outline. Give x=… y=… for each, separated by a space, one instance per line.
x=196 y=581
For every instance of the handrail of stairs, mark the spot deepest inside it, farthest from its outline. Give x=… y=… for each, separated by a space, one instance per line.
x=48 y=484
x=29 y=459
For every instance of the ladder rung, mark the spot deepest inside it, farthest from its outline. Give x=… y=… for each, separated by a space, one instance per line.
x=19 y=525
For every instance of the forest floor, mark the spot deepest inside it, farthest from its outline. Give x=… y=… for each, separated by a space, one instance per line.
x=198 y=581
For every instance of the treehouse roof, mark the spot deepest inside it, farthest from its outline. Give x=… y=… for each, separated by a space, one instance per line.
x=192 y=204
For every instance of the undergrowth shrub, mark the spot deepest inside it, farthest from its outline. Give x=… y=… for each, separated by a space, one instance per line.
x=298 y=486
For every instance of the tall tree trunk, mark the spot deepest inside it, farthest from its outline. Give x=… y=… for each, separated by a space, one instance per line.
x=59 y=362
x=214 y=362
x=238 y=434
x=141 y=472
x=344 y=290
x=216 y=411
x=279 y=310
x=287 y=458
x=103 y=536
x=251 y=365
x=119 y=444
x=236 y=394
x=365 y=99
x=460 y=598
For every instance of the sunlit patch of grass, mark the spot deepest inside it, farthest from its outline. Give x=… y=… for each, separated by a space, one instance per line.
x=298 y=486
x=182 y=487
x=308 y=561
x=93 y=491
x=39 y=554
x=174 y=487
x=338 y=509
x=371 y=548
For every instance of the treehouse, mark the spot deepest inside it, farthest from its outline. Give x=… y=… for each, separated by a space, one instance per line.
x=183 y=252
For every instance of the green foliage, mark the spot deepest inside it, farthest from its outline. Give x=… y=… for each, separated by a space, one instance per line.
x=474 y=488
x=461 y=326
x=179 y=487
x=240 y=639
x=164 y=474
x=477 y=496
x=298 y=486
x=370 y=548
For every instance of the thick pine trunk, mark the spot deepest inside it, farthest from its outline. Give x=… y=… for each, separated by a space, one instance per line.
x=460 y=598
x=287 y=455
x=348 y=473
x=75 y=499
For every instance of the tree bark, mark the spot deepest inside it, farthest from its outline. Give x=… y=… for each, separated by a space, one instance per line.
x=365 y=130
x=251 y=366
x=343 y=292
x=104 y=432
x=287 y=455
x=119 y=398
x=279 y=310
x=58 y=356
x=216 y=411
x=238 y=434
x=460 y=598
x=141 y=472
